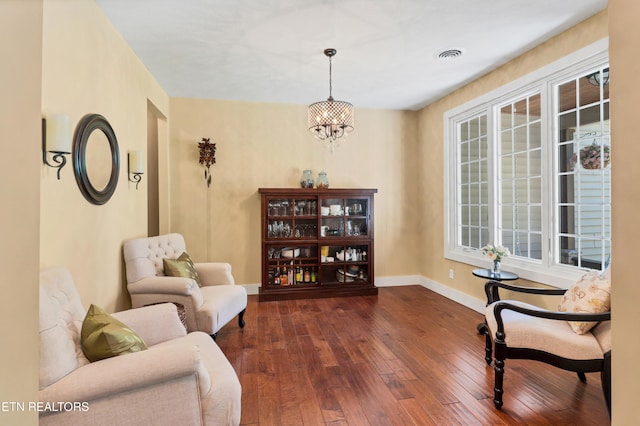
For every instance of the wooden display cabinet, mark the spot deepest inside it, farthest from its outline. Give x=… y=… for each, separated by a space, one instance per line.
x=316 y=243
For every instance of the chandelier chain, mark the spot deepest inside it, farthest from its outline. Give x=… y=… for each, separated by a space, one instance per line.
x=330 y=84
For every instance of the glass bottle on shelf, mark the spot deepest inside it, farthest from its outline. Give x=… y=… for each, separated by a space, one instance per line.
x=306 y=181
x=322 y=182
x=290 y=276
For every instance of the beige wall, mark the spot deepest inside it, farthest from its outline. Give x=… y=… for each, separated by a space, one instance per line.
x=20 y=77
x=430 y=130
x=268 y=145
x=88 y=68
x=625 y=66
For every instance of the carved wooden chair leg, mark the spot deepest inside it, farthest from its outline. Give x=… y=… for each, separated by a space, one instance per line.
x=498 y=391
x=241 y=318
x=605 y=376
x=582 y=377
x=488 y=348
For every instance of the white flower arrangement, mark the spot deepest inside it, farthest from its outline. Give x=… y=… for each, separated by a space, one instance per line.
x=495 y=253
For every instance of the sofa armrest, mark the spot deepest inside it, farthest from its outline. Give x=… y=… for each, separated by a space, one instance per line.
x=124 y=373
x=154 y=324
x=164 y=285
x=215 y=273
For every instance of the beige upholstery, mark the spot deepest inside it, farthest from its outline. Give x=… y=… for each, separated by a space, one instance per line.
x=518 y=330
x=208 y=308
x=552 y=336
x=181 y=379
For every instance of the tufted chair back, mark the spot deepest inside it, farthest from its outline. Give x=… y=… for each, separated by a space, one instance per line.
x=61 y=316
x=143 y=257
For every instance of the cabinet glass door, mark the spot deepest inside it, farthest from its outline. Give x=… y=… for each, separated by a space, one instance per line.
x=279 y=218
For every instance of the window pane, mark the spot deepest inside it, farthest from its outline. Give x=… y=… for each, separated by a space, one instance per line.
x=584 y=187
x=473 y=182
x=567 y=96
x=520 y=178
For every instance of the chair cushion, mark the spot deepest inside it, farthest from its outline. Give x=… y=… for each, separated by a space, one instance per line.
x=181 y=267
x=590 y=294
x=551 y=336
x=103 y=336
x=220 y=304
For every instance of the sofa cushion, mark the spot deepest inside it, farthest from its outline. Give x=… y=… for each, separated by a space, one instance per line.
x=590 y=294
x=103 y=336
x=181 y=267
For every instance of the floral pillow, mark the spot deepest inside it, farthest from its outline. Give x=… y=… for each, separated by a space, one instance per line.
x=591 y=294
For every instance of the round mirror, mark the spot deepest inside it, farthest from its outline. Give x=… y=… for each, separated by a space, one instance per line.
x=96 y=159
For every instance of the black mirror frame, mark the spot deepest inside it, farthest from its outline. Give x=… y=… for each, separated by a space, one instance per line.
x=86 y=126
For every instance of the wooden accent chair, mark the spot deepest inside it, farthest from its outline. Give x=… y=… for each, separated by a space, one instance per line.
x=519 y=330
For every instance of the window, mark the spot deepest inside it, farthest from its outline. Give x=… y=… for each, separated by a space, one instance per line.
x=584 y=179
x=528 y=167
x=519 y=175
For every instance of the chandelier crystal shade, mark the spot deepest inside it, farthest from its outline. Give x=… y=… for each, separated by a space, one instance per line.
x=331 y=119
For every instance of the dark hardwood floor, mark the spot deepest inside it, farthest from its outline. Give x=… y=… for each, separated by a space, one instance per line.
x=407 y=356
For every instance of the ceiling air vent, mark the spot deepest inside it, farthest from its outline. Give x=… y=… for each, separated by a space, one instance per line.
x=448 y=54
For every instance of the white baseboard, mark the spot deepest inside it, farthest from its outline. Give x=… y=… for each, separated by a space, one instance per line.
x=252 y=289
x=400 y=280
x=455 y=295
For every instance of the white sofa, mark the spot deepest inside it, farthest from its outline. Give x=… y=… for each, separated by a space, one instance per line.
x=182 y=379
x=208 y=308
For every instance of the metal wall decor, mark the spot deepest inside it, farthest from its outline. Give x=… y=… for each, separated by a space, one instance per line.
x=207 y=157
x=87 y=125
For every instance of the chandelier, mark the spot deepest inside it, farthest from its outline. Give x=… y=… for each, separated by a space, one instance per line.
x=330 y=120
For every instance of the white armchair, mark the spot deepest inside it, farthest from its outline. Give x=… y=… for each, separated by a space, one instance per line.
x=208 y=308
x=181 y=379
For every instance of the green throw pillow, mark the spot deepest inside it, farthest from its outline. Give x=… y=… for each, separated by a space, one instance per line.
x=103 y=336
x=181 y=267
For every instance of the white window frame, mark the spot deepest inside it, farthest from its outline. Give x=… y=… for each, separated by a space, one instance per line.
x=543 y=80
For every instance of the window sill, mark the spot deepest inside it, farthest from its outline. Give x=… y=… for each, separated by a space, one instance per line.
x=556 y=276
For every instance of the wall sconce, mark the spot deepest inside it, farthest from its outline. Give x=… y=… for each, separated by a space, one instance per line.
x=56 y=139
x=136 y=166
x=207 y=157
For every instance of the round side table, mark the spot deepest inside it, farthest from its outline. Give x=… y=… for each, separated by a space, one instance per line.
x=488 y=274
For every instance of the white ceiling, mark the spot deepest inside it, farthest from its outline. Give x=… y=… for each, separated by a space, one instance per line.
x=272 y=50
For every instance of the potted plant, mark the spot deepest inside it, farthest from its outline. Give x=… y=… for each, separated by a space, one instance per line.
x=495 y=253
x=593 y=157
